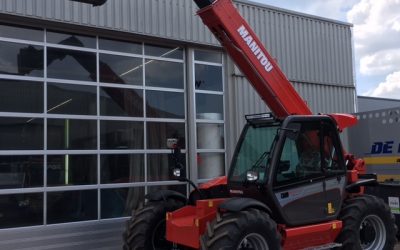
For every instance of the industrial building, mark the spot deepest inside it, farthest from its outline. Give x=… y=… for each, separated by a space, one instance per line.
x=367 y=103
x=90 y=95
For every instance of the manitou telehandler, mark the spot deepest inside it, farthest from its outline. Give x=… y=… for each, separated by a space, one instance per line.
x=291 y=185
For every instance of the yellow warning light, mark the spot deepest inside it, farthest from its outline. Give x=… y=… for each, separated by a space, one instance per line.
x=334 y=226
x=167 y=216
x=210 y=203
x=196 y=222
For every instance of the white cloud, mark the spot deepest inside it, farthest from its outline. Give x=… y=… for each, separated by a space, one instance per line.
x=334 y=9
x=376 y=35
x=359 y=12
x=388 y=89
x=380 y=62
x=396 y=24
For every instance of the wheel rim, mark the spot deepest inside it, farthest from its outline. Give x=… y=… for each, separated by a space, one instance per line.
x=253 y=241
x=372 y=233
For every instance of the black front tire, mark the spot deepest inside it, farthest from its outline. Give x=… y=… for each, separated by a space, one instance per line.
x=249 y=229
x=146 y=229
x=367 y=224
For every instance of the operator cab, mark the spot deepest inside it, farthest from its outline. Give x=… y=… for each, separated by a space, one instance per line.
x=294 y=166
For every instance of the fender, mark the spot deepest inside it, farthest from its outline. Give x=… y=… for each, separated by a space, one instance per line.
x=163 y=195
x=238 y=204
x=355 y=187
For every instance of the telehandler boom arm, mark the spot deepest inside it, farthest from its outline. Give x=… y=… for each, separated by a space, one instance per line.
x=249 y=54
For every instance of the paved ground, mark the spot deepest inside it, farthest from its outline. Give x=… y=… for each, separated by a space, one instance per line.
x=397 y=247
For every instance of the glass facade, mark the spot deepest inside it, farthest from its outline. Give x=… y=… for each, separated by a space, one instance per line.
x=84 y=122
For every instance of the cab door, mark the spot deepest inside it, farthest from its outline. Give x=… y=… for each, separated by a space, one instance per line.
x=309 y=181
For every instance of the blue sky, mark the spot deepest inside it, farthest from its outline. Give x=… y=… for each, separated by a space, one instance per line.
x=376 y=35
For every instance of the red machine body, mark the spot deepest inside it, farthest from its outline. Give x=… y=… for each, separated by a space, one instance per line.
x=186 y=225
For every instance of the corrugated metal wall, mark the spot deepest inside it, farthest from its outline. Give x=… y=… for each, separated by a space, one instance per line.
x=315 y=53
x=172 y=19
x=366 y=103
x=308 y=49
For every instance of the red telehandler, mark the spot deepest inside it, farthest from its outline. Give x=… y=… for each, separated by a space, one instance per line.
x=291 y=185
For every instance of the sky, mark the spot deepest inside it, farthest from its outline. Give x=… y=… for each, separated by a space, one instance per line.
x=376 y=35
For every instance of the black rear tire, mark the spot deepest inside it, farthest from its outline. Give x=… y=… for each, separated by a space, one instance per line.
x=367 y=224
x=146 y=229
x=249 y=229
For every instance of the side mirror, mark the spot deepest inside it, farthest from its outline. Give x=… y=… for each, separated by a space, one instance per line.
x=176 y=172
x=252 y=176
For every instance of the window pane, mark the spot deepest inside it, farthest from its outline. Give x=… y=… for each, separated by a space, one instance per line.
x=71 y=99
x=21 y=171
x=121 y=135
x=161 y=51
x=209 y=107
x=159 y=167
x=20 y=32
x=21 y=210
x=208 y=77
x=71 y=134
x=21 y=133
x=159 y=132
x=253 y=153
x=122 y=168
x=121 y=69
x=21 y=59
x=121 y=46
x=119 y=202
x=71 y=64
x=178 y=188
x=21 y=96
x=301 y=157
x=210 y=165
x=71 y=39
x=208 y=56
x=69 y=206
x=210 y=136
x=121 y=102
x=164 y=74
x=165 y=104
x=63 y=170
